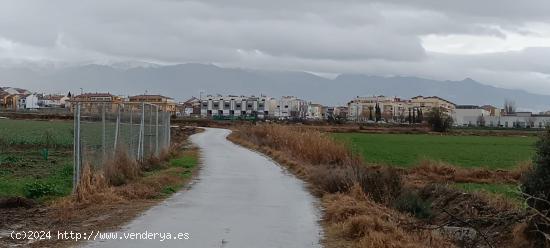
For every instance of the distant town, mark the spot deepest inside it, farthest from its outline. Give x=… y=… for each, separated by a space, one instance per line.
x=361 y=109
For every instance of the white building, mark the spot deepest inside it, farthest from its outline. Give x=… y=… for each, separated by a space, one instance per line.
x=237 y=106
x=314 y=111
x=516 y=120
x=53 y=101
x=30 y=101
x=468 y=115
x=290 y=107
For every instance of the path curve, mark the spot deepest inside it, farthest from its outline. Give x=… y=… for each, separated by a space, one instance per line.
x=239 y=199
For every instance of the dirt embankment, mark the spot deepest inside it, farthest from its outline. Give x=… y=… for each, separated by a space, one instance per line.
x=98 y=206
x=376 y=206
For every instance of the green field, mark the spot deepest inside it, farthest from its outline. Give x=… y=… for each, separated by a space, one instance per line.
x=24 y=168
x=407 y=150
x=28 y=132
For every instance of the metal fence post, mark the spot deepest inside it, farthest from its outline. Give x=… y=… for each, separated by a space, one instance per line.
x=168 y=127
x=157 y=131
x=131 y=148
x=150 y=133
x=117 y=129
x=103 y=130
x=141 y=133
x=76 y=148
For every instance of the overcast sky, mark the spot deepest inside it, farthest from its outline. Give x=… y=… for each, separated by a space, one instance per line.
x=499 y=42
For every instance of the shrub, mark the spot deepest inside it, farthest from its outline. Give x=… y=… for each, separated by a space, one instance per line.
x=382 y=184
x=151 y=163
x=410 y=202
x=536 y=186
x=121 y=169
x=39 y=189
x=332 y=179
x=439 y=121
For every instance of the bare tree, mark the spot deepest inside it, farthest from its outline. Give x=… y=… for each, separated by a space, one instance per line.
x=509 y=106
x=481 y=120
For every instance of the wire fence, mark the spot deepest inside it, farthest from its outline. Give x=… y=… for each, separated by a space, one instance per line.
x=141 y=130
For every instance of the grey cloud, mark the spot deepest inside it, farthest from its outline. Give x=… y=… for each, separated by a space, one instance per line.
x=374 y=36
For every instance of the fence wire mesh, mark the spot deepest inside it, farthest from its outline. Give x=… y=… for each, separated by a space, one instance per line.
x=102 y=130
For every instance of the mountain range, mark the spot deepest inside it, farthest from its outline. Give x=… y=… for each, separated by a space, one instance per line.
x=185 y=80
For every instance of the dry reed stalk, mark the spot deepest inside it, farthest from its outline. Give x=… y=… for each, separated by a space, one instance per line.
x=121 y=169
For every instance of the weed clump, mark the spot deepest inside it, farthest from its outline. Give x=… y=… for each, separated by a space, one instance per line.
x=121 y=169
x=411 y=202
x=536 y=188
x=39 y=189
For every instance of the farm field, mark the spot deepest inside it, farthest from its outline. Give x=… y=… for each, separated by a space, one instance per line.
x=28 y=132
x=406 y=150
x=35 y=158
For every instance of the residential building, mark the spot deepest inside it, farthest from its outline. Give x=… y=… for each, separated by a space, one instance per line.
x=290 y=107
x=315 y=111
x=165 y=103
x=426 y=104
x=14 y=102
x=95 y=102
x=53 y=101
x=493 y=111
x=391 y=108
x=191 y=107
x=394 y=109
x=30 y=101
x=340 y=112
x=236 y=106
x=13 y=98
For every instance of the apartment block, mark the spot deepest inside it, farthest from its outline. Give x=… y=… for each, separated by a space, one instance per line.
x=237 y=106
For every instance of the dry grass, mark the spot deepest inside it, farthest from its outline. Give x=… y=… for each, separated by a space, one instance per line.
x=93 y=188
x=304 y=144
x=121 y=169
x=353 y=220
x=121 y=180
x=429 y=171
x=324 y=162
x=354 y=195
x=357 y=199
